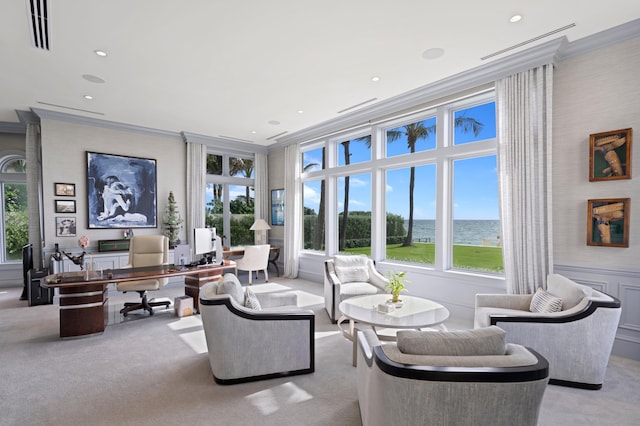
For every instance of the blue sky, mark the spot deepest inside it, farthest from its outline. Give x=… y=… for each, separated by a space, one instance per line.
x=475 y=180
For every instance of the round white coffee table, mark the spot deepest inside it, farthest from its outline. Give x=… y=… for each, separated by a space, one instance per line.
x=415 y=313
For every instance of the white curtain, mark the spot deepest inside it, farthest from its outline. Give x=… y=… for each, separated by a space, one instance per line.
x=261 y=186
x=292 y=210
x=524 y=104
x=196 y=183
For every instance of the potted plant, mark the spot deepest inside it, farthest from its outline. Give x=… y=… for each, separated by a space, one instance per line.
x=172 y=221
x=397 y=283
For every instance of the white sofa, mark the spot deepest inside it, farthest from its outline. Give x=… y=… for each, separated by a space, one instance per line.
x=248 y=344
x=577 y=340
x=348 y=276
x=399 y=388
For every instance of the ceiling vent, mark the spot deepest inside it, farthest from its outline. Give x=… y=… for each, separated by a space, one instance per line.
x=515 y=46
x=39 y=10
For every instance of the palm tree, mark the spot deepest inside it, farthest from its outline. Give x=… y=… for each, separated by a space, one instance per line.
x=239 y=165
x=342 y=238
x=415 y=132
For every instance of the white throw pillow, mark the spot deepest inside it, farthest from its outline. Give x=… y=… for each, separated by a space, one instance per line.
x=569 y=291
x=351 y=269
x=251 y=300
x=543 y=301
x=477 y=342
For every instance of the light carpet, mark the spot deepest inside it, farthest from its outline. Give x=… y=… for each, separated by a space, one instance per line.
x=155 y=371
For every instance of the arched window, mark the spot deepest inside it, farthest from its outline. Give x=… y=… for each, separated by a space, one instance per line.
x=14 y=224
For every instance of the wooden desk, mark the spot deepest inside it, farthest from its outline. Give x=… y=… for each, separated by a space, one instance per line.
x=84 y=305
x=274 y=254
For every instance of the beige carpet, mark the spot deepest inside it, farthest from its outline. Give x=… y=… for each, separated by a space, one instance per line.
x=154 y=370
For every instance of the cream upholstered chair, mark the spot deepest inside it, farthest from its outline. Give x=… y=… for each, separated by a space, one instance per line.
x=577 y=340
x=255 y=336
x=256 y=258
x=470 y=377
x=348 y=276
x=145 y=250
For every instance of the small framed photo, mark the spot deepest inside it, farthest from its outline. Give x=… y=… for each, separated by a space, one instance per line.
x=65 y=189
x=65 y=226
x=610 y=155
x=65 y=206
x=608 y=222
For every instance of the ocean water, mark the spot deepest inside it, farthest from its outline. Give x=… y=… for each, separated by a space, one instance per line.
x=468 y=232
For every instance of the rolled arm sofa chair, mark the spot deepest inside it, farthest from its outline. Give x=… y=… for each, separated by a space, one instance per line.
x=348 y=276
x=450 y=378
x=253 y=336
x=576 y=340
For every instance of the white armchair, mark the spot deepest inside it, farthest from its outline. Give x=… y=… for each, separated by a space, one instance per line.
x=348 y=276
x=577 y=340
x=273 y=339
x=256 y=258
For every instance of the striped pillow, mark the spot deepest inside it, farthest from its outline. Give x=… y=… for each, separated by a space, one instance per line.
x=543 y=301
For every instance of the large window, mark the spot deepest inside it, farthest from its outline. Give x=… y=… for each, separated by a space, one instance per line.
x=15 y=229
x=229 y=196
x=433 y=174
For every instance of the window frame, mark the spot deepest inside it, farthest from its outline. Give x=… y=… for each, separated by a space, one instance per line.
x=8 y=178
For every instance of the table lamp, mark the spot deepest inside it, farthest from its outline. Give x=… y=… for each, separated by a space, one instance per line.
x=260 y=227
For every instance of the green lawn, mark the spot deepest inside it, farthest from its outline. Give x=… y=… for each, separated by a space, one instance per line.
x=464 y=257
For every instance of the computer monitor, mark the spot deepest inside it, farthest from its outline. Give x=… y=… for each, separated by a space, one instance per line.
x=203 y=242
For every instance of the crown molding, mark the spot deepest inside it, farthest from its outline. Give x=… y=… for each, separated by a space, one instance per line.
x=13 y=128
x=602 y=39
x=225 y=145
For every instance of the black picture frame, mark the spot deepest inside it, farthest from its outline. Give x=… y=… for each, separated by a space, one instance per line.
x=121 y=191
x=64 y=189
x=277 y=207
x=65 y=206
x=66 y=226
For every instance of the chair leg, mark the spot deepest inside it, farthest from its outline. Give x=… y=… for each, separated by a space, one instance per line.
x=250 y=275
x=266 y=276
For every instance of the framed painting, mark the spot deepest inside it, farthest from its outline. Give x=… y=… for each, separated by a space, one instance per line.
x=65 y=226
x=121 y=191
x=610 y=155
x=608 y=222
x=65 y=206
x=65 y=189
x=277 y=207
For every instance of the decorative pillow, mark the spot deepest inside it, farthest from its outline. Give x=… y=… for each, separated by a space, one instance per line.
x=251 y=300
x=480 y=341
x=569 y=291
x=231 y=286
x=351 y=268
x=543 y=301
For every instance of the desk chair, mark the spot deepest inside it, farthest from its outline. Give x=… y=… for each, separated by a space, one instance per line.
x=145 y=250
x=256 y=258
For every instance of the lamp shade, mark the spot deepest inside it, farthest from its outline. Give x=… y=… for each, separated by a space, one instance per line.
x=260 y=225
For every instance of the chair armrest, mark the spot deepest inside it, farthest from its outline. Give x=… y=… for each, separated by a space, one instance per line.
x=520 y=302
x=376 y=278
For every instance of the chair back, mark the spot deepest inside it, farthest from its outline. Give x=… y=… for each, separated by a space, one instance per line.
x=148 y=250
x=256 y=256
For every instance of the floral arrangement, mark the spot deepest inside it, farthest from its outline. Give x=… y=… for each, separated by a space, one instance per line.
x=83 y=241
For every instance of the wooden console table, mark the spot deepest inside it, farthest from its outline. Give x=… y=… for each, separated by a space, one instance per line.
x=274 y=255
x=84 y=305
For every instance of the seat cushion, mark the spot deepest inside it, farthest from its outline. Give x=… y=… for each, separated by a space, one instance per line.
x=543 y=301
x=356 y=289
x=351 y=268
x=480 y=341
x=231 y=286
x=569 y=291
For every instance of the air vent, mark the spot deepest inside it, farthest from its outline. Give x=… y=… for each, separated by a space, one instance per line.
x=357 y=105
x=277 y=136
x=515 y=46
x=39 y=23
x=71 y=108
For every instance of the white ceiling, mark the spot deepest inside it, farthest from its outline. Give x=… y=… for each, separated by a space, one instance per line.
x=230 y=68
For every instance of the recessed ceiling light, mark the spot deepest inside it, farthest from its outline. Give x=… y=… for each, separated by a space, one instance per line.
x=88 y=97
x=253 y=132
x=92 y=78
x=300 y=111
x=375 y=78
x=515 y=18
x=100 y=53
x=433 y=53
